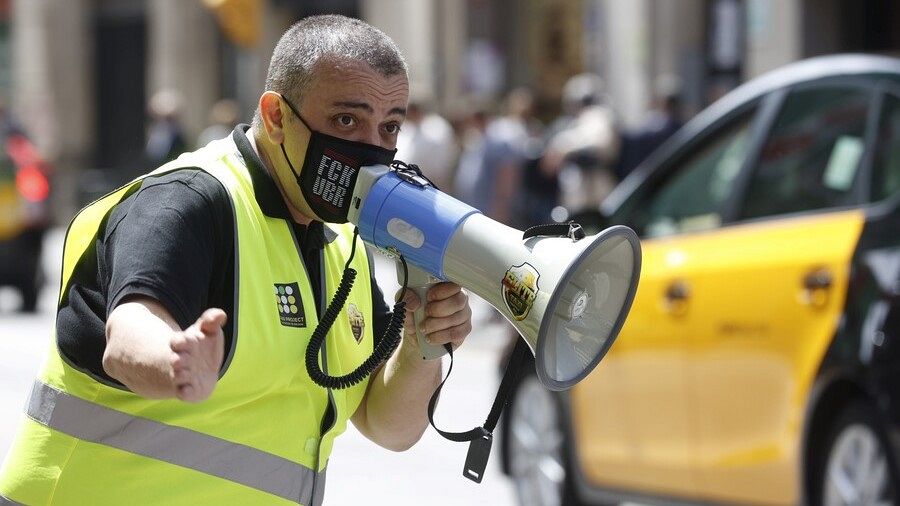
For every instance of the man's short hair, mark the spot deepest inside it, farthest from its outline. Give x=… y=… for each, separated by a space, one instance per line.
x=310 y=40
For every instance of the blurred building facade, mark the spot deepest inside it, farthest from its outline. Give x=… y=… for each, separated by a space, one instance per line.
x=78 y=73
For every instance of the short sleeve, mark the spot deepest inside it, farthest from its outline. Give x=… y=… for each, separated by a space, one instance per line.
x=166 y=241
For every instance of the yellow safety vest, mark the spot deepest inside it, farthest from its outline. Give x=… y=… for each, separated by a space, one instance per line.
x=258 y=438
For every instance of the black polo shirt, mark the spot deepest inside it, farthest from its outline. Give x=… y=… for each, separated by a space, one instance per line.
x=172 y=239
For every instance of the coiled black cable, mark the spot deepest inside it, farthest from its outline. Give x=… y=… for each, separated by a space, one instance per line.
x=389 y=341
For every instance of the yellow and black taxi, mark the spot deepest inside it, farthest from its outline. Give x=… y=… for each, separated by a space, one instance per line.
x=760 y=363
x=24 y=213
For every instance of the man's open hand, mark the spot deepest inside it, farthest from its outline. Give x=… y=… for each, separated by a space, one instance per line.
x=197 y=358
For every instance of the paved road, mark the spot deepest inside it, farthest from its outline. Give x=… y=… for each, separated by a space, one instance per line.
x=360 y=472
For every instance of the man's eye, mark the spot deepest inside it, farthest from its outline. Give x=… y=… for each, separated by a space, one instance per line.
x=345 y=120
x=392 y=128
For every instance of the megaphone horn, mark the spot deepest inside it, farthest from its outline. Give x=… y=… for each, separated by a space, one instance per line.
x=567 y=296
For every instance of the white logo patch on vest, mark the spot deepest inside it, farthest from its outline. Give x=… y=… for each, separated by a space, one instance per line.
x=290 y=307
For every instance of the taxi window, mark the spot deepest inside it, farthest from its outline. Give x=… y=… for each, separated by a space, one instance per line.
x=692 y=196
x=812 y=154
x=886 y=165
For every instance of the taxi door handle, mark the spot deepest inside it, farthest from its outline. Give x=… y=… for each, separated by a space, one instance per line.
x=816 y=288
x=818 y=279
x=678 y=291
x=675 y=298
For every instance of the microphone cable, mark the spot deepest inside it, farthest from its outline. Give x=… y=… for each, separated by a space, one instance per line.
x=385 y=348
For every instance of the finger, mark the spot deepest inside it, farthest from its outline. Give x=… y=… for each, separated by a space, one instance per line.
x=180 y=361
x=434 y=324
x=455 y=335
x=411 y=299
x=184 y=342
x=211 y=321
x=178 y=342
x=183 y=377
x=446 y=307
x=186 y=393
x=443 y=290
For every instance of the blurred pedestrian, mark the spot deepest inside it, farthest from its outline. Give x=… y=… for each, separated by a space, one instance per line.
x=165 y=137
x=471 y=135
x=585 y=147
x=490 y=175
x=427 y=140
x=223 y=117
x=662 y=121
x=24 y=210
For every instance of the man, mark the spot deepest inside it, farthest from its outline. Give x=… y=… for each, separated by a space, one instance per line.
x=662 y=121
x=427 y=140
x=167 y=297
x=585 y=146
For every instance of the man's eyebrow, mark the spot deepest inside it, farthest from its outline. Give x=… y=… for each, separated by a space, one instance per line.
x=366 y=107
x=354 y=105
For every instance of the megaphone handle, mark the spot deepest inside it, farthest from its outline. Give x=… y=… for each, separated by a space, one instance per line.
x=419 y=282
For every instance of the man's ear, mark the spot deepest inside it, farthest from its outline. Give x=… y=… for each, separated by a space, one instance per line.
x=272 y=116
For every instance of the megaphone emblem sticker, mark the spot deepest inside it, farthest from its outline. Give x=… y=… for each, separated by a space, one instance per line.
x=520 y=287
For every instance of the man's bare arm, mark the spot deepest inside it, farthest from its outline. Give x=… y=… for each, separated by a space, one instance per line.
x=154 y=358
x=394 y=411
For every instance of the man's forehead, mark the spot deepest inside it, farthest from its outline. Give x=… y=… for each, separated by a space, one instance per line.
x=357 y=85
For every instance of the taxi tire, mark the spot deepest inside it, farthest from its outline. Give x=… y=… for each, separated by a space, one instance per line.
x=568 y=491
x=856 y=414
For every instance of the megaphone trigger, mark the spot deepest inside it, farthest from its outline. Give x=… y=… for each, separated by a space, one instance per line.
x=419 y=281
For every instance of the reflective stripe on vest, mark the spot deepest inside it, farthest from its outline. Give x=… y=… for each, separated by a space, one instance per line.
x=176 y=445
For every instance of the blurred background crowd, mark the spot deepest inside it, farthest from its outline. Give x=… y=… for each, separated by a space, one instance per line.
x=518 y=106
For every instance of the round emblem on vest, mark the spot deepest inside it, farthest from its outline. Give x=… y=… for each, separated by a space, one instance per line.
x=357 y=322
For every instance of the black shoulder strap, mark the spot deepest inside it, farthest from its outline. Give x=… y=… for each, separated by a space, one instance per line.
x=481 y=438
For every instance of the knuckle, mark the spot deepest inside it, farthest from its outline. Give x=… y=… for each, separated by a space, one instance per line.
x=439 y=337
x=434 y=308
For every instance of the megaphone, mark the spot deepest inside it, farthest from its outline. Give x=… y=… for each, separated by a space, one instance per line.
x=566 y=296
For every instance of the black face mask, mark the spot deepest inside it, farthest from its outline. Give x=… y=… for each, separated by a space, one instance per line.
x=330 y=169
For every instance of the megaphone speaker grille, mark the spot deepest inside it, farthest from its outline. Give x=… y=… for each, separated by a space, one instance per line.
x=588 y=308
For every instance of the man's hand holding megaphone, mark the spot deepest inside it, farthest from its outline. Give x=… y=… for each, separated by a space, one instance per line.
x=448 y=317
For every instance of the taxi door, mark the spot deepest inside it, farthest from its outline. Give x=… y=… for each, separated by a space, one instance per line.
x=647 y=443
x=630 y=415
x=766 y=294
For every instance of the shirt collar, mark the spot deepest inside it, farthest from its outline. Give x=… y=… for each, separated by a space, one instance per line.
x=268 y=197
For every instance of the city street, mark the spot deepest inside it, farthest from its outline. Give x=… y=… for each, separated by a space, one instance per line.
x=359 y=471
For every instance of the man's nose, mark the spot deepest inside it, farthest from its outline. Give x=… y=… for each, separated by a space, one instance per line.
x=372 y=137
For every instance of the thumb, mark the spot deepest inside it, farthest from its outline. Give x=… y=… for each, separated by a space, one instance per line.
x=211 y=321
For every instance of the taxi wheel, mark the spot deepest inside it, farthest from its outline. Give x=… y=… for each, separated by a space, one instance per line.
x=857 y=466
x=537 y=447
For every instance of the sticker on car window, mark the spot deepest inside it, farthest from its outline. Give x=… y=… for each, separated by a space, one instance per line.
x=843 y=162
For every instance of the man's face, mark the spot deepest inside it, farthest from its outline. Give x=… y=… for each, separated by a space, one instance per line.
x=353 y=101
x=348 y=100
